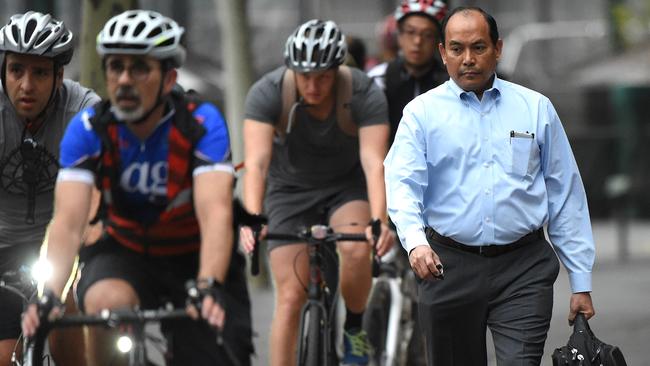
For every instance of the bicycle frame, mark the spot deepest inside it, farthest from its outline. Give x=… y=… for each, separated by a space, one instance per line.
x=316 y=237
x=399 y=322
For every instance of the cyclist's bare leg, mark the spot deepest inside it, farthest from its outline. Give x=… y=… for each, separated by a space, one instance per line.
x=6 y=349
x=106 y=294
x=60 y=340
x=289 y=297
x=355 y=271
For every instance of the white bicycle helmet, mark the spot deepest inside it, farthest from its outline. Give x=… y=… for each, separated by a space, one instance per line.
x=142 y=32
x=435 y=9
x=37 y=34
x=315 y=45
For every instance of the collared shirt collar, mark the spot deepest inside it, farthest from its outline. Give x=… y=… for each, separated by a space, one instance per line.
x=497 y=85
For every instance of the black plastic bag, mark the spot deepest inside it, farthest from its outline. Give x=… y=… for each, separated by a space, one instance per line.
x=584 y=349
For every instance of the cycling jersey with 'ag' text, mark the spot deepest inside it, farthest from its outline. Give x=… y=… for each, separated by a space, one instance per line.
x=139 y=205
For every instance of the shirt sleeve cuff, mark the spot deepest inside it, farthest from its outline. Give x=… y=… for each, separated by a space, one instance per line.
x=414 y=237
x=580 y=282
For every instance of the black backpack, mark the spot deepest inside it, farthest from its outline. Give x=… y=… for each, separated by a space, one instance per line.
x=584 y=349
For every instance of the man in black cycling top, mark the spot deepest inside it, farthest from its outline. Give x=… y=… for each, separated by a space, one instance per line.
x=162 y=161
x=418 y=67
x=416 y=70
x=36 y=104
x=315 y=136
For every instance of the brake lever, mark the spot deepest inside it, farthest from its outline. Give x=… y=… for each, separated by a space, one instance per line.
x=375 y=226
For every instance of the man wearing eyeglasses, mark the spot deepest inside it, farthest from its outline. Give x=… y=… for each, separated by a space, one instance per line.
x=417 y=69
x=162 y=161
x=36 y=104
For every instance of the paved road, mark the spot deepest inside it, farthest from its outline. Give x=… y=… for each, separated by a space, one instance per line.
x=621 y=297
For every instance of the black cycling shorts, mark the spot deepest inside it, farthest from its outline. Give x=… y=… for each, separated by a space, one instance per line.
x=11 y=306
x=158 y=280
x=292 y=208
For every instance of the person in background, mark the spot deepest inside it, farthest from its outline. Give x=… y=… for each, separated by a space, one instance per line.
x=417 y=68
x=318 y=163
x=36 y=104
x=479 y=166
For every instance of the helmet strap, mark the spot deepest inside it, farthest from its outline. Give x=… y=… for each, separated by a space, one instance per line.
x=159 y=101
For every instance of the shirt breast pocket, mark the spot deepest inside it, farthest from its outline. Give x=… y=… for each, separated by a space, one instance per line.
x=525 y=155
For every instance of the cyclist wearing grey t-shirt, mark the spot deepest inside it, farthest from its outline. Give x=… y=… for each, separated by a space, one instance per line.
x=36 y=104
x=317 y=159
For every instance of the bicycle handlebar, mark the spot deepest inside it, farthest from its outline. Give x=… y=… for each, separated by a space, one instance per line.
x=109 y=318
x=318 y=233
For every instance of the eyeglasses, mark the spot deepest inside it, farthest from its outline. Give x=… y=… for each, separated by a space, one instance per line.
x=138 y=70
x=411 y=34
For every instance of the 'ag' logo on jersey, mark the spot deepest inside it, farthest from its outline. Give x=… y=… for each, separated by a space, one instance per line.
x=145 y=178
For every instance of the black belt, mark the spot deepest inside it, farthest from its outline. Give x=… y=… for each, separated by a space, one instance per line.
x=485 y=250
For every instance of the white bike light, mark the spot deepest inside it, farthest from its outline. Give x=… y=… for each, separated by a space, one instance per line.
x=42 y=270
x=124 y=344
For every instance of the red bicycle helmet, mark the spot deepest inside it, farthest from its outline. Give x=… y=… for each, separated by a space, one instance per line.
x=435 y=9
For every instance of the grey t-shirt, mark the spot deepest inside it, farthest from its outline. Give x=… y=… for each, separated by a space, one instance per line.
x=316 y=153
x=22 y=163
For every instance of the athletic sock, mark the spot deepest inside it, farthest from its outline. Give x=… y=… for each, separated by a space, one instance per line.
x=352 y=320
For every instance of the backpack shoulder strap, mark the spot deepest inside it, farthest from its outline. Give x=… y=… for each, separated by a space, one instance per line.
x=185 y=104
x=392 y=76
x=344 y=101
x=289 y=96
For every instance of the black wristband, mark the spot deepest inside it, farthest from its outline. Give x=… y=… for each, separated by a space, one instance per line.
x=202 y=287
x=46 y=302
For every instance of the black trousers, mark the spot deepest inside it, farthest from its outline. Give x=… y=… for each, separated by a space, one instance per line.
x=512 y=294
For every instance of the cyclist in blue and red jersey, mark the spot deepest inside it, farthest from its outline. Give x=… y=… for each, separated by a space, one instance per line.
x=162 y=162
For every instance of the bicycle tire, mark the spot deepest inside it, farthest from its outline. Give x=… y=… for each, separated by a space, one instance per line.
x=376 y=322
x=313 y=338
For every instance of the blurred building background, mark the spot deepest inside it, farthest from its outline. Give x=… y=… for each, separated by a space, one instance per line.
x=591 y=57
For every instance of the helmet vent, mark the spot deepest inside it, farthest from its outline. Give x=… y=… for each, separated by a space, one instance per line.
x=124 y=29
x=15 y=32
x=168 y=42
x=43 y=37
x=154 y=32
x=138 y=29
x=29 y=30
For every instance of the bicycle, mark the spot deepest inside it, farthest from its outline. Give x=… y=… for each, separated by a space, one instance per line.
x=21 y=284
x=389 y=319
x=316 y=331
x=133 y=320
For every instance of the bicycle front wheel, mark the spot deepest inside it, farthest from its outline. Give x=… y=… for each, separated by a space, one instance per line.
x=311 y=351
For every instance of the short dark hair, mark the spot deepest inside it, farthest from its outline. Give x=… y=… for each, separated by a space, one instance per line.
x=489 y=19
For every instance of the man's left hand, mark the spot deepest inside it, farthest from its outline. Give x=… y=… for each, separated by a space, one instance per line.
x=581 y=303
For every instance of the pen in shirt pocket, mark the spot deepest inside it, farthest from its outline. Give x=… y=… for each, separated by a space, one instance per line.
x=521 y=135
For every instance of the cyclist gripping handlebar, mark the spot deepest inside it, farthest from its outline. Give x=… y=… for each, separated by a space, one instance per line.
x=315 y=136
x=161 y=159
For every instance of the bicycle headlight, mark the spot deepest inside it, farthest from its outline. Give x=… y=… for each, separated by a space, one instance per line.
x=124 y=344
x=42 y=270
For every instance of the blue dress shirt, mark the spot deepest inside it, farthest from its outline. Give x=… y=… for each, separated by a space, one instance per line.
x=487 y=172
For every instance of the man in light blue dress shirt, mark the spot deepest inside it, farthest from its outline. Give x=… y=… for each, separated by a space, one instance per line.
x=479 y=165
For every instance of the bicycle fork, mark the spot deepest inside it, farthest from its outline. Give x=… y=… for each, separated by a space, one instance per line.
x=394 y=319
